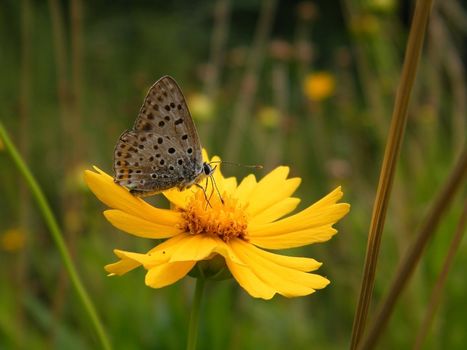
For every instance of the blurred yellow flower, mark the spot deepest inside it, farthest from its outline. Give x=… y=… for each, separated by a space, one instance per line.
x=12 y=240
x=319 y=86
x=269 y=117
x=233 y=231
x=201 y=106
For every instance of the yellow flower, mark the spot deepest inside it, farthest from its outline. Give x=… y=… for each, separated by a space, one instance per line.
x=12 y=240
x=319 y=86
x=248 y=219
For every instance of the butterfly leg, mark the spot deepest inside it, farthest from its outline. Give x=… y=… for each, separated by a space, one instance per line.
x=205 y=195
x=206 y=191
x=214 y=185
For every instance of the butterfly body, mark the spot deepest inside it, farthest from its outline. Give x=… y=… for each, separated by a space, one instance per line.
x=162 y=150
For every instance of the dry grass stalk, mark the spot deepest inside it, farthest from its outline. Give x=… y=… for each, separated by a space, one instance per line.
x=396 y=132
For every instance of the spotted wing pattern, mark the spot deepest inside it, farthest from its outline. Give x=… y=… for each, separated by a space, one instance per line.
x=162 y=150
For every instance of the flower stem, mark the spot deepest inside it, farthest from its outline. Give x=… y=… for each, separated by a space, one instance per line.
x=195 y=312
x=57 y=237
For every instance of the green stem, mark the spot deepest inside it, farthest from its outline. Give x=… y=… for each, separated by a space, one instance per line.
x=57 y=237
x=195 y=311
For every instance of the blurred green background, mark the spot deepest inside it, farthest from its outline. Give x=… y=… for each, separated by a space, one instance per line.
x=308 y=84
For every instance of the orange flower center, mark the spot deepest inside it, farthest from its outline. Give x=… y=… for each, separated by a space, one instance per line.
x=225 y=220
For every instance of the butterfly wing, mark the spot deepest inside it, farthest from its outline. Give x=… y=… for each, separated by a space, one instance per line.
x=163 y=149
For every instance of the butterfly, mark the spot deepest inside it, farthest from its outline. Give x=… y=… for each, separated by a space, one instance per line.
x=162 y=150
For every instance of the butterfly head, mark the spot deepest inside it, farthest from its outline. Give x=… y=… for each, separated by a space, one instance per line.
x=208 y=169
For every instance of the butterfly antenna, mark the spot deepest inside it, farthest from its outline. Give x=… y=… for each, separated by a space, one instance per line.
x=254 y=166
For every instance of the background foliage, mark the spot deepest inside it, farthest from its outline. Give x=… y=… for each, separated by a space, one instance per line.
x=306 y=84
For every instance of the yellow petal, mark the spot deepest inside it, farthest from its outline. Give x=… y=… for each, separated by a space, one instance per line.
x=164 y=251
x=271 y=189
x=275 y=211
x=150 y=259
x=180 y=198
x=319 y=214
x=293 y=262
x=194 y=248
x=200 y=247
x=249 y=281
x=118 y=197
x=123 y=266
x=288 y=281
x=168 y=273
x=230 y=184
x=245 y=188
x=294 y=239
x=270 y=182
x=262 y=200
x=157 y=255
x=139 y=227
x=330 y=198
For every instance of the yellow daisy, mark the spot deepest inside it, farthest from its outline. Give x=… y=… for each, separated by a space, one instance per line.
x=248 y=219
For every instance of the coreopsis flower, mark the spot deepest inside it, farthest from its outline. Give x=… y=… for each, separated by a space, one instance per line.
x=235 y=227
x=319 y=86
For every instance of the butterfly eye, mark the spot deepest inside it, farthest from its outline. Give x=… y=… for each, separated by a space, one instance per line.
x=207 y=169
